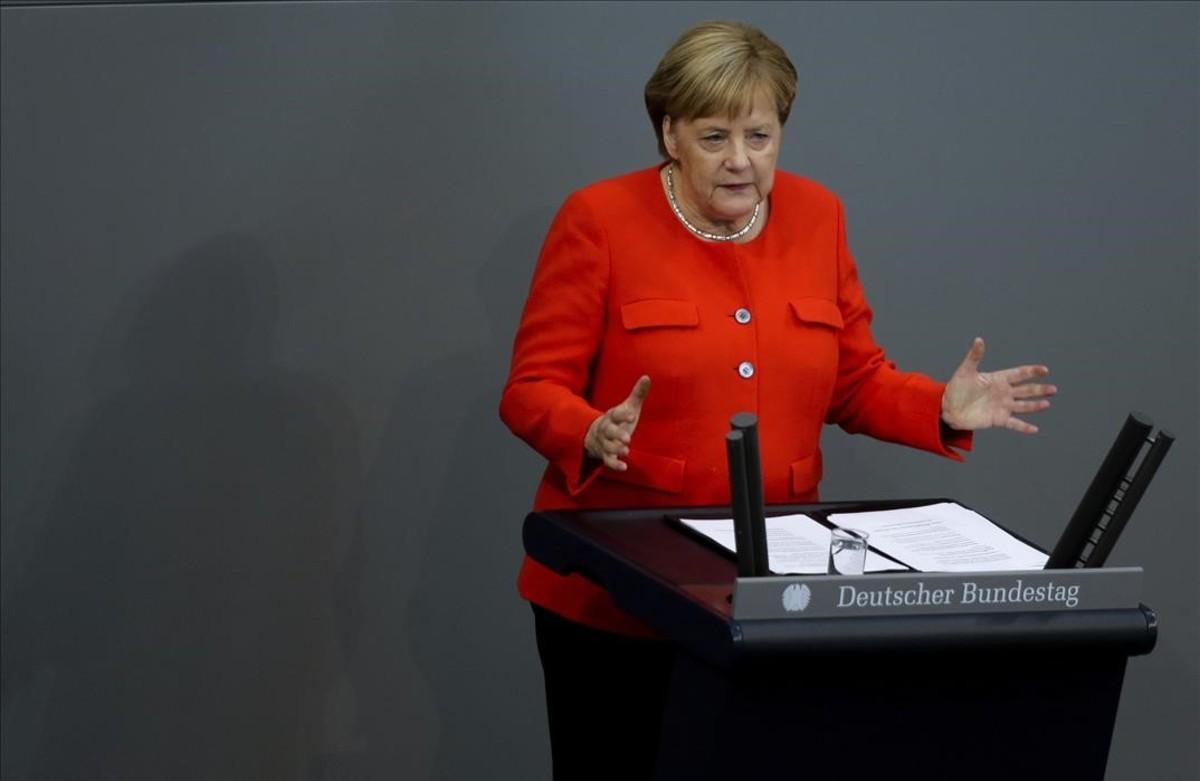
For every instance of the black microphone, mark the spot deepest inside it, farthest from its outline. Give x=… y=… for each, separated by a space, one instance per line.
x=735 y=449
x=747 y=424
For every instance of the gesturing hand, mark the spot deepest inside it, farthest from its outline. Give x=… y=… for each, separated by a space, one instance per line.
x=609 y=435
x=977 y=400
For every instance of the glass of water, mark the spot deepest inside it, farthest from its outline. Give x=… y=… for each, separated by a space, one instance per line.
x=847 y=552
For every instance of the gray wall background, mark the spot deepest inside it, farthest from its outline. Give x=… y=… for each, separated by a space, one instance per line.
x=262 y=264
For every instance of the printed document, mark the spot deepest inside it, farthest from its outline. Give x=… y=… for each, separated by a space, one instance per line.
x=796 y=544
x=944 y=537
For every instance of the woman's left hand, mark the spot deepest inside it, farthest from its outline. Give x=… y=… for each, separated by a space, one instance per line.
x=976 y=400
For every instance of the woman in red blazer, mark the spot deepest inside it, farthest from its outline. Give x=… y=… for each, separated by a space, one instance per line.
x=666 y=300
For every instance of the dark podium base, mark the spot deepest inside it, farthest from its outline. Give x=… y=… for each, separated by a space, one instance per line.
x=1008 y=696
x=972 y=715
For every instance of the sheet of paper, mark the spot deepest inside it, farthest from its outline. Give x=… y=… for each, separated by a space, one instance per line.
x=796 y=544
x=943 y=537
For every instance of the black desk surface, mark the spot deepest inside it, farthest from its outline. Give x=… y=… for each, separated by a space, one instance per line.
x=682 y=586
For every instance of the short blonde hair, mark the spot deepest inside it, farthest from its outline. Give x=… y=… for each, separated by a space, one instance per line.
x=718 y=67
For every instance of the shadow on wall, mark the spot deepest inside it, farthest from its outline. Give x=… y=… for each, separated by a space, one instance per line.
x=447 y=495
x=175 y=615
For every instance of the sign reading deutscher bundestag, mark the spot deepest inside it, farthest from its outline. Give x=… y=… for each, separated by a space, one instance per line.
x=923 y=593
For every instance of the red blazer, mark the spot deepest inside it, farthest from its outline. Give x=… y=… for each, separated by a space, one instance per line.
x=622 y=289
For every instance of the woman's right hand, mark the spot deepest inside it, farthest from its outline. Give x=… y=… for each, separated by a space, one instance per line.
x=609 y=436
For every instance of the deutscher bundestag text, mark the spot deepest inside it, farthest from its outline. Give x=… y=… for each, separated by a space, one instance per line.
x=972 y=594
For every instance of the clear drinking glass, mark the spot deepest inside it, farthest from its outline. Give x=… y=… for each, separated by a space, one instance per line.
x=847 y=552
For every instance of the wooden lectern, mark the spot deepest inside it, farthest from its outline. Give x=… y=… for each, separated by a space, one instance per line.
x=763 y=689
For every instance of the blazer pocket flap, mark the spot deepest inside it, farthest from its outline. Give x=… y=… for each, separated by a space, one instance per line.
x=806 y=473
x=659 y=312
x=648 y=470
x=818 y=310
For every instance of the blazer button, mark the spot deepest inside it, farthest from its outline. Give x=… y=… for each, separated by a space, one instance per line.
x=742 y=315
x=746 y=369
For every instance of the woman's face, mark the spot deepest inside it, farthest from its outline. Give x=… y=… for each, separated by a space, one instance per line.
x=726 y=166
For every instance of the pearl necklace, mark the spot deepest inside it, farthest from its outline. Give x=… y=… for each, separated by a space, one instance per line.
x=705 y=234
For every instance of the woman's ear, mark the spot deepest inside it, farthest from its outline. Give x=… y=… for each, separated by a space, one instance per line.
x=669 y=141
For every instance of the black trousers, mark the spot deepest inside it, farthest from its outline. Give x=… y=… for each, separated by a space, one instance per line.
x=605 y=697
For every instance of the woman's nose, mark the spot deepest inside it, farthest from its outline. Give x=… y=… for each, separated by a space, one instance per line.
x=738 y=157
